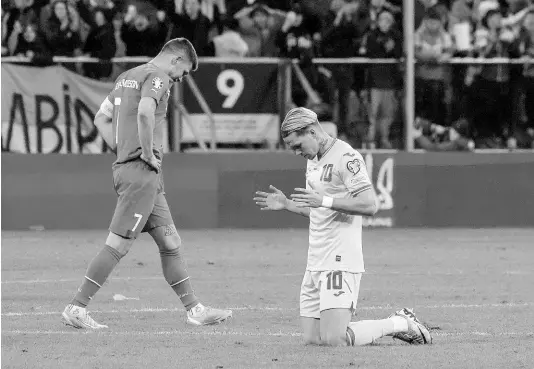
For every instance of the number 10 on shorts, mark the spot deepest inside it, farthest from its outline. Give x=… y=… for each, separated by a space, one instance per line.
x=334 y=280
x=139 y=217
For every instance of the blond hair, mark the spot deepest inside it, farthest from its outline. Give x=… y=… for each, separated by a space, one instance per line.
x=298 y=119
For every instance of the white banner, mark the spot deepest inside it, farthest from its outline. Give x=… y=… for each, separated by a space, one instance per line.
x=242 y=98
x=234 y=127
x=51 y=110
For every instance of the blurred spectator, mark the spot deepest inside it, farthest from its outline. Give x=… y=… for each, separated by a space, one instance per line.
x=141 y=36
x=214 y=10
x=100 y=44
x=377 y=6
x=514 y=13
x=5 y=18
x=259 y=26
x=236 y=6
x=229 y=44
x=25 y=12
x=296 y=41
x=189 y=22
x=526 y=49
x=433 y=46
x=62 y=30
x=423 y=6
x=342 y=29
x=382 y=80
x=491 y=89
x=462 y=12
x=30 y=43
x=433 y=137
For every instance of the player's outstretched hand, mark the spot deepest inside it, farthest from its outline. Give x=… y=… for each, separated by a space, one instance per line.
x=154 y=162
x=275 y=200
x=308 y=198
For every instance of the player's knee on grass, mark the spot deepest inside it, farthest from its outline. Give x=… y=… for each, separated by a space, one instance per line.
x=310 y=328
x=119 y=243
x=334 y=338
x=312 y=340
x=166 y=237
x=334 y=324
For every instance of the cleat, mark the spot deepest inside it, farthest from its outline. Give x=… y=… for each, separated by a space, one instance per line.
x=417 y=334
x=205 y=315
x=78 y=317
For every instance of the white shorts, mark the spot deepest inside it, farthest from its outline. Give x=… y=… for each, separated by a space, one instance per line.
x=328 y=290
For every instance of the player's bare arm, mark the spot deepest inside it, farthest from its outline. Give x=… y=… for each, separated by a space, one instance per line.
x=102 y=122
x=277 y=200
x=363 y=203
x=146 y=120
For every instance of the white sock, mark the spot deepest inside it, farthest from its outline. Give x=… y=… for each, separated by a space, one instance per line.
x=399 y=324
x=368 y=331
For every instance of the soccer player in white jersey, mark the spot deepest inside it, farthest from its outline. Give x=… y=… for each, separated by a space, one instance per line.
x=338 y=193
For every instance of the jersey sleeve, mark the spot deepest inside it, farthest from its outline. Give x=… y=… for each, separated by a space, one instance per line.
x=353 y=173
x=155 y=86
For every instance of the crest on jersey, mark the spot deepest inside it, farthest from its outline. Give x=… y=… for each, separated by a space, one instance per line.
x=157 y=83
x=354 y=166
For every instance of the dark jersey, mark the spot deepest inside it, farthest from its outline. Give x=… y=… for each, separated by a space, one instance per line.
x=143 y=81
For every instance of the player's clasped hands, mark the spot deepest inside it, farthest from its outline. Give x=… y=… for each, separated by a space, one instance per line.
x=275 y=200
x=307 y=198
x=153 y=162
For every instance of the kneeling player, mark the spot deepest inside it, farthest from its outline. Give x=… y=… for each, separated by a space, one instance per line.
x=338 y=192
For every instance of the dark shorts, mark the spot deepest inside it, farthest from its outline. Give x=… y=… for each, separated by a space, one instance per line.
x=141 y=205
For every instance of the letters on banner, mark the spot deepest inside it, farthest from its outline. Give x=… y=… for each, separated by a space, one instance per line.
x=50 y=110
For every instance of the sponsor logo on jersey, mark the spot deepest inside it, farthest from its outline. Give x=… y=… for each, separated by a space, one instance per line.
x=349 y=154
x=339 y=293
x=127 y=83
x=354 y=166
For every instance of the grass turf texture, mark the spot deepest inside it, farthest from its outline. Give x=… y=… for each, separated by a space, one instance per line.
x=473 y=286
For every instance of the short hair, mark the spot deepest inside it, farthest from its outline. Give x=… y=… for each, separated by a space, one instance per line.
x=297 y=120
x=181 y=45
x=433 y=13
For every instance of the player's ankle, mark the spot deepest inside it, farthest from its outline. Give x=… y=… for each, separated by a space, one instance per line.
x=79 y=304
x=399 y=324
x=196 y=310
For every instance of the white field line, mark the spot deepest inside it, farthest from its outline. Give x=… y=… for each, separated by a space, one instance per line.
x=241 y=333
x=160 y=277
x=267 y=308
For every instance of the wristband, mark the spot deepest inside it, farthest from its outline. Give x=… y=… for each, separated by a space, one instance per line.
x=327 y=202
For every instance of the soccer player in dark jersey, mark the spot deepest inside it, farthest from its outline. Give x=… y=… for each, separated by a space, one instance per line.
x=131 y=121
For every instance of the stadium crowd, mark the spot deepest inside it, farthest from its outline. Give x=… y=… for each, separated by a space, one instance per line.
x=487 y=106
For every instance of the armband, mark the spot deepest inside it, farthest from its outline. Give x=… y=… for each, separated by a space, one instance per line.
x=107 y=108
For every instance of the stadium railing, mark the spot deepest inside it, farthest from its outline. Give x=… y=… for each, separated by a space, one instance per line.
x=286 y=68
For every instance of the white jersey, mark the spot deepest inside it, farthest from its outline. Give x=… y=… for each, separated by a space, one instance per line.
x=336 y=238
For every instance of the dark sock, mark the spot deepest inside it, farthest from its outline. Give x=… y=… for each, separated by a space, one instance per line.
x=98 y=271
x=175 y=273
